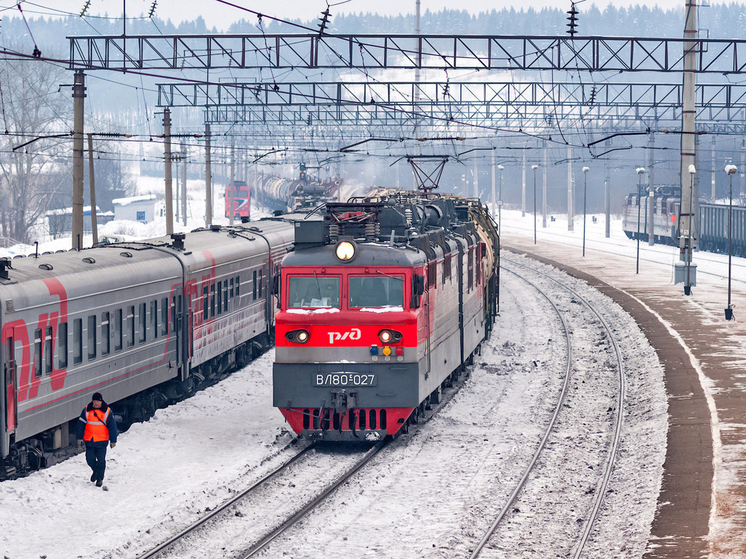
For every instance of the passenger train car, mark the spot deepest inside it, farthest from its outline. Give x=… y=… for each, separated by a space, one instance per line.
x=713 y=229
x=382 y=302
x=143 y=323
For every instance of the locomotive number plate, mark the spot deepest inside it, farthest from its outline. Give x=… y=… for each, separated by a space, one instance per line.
x=345 y=379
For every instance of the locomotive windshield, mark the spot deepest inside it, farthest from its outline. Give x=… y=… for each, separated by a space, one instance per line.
x=383 y=291
x=312 y=291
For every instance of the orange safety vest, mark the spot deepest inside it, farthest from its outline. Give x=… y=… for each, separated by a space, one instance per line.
x=95 y=426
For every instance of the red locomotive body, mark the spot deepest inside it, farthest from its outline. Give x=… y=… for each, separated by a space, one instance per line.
x=369 y=329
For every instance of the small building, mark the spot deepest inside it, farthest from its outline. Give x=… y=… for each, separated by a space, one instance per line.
x=60 y=222
x=135 y=208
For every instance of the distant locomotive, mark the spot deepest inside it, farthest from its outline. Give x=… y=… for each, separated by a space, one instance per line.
x=713 y=231
x=143 y=323
x=238 y=195
x=383 y=302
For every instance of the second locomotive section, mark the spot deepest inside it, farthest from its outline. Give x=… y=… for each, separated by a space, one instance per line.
x=382 y=304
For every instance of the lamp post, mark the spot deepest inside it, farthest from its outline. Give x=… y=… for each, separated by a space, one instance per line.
x=731 y=170
x=534 y=167
x=640 y=172
x=500 y=200
x=585 y=191
x=688 y=284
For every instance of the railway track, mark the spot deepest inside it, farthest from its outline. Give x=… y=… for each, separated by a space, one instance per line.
x=256 y=498
x=611 y=450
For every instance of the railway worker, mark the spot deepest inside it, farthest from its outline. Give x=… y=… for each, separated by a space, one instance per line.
x=98 y=428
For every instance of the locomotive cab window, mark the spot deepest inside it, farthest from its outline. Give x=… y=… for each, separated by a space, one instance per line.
x=376 y=291
x=310 y=292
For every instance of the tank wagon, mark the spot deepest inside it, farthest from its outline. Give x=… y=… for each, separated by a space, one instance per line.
x=382 y=303
x=145 y=323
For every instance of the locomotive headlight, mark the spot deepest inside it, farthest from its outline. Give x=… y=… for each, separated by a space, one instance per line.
x=297 y=336
x=389 y=336
x=345 y=251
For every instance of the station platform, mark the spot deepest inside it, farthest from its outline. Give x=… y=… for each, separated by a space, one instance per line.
x=701 y=509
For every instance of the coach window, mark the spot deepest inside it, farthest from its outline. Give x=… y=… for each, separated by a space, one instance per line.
x=92 y=336
x=164 y=316
x=143 y=322
x=238 y=287
x=376 y=291
x=212 y=300
x=77 y=341
x=173 y=313
x=48 y=350
x=220 y=298
x=105 y=332
x=130 y=326
x=205 y=305
x=231 y=289
x=154 y=317
x=117 y=329
x=37 y=353
x=310 y=292
x=470 y=266
x=254 y=284
x=62 y=345
x=260 y=283
x=225 y=296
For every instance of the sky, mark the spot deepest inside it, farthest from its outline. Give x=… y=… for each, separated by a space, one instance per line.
x=220 y=14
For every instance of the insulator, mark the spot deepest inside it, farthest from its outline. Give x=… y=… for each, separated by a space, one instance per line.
x=408 y=215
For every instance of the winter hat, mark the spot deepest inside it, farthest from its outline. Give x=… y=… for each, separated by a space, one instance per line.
x=97 y=396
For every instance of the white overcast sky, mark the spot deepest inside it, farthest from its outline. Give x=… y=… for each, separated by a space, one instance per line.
x=220 y=15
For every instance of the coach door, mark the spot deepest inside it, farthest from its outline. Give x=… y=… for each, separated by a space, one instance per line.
x=8 y=380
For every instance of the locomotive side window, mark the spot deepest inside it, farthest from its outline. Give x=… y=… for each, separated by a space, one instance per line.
x=105 y=331
x=376 y=291
x=92 y=336
x=143 y=321
x=37 y=353
x=62 y=345
x=77 y=341
x=117 y=329
x=130 y=326
x=470 y=266
x=164 y=316
x=310 y=292
x=48 y=350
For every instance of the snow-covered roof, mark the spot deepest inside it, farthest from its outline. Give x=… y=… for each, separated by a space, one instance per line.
x=133 y=199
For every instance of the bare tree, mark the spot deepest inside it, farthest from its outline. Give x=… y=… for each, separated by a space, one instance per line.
x=34 y=107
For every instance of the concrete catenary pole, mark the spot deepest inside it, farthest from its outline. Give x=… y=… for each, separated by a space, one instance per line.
x=544 y=203
x=208 y=179
x=232 y=184
x=92 y=182
x=689 y=233
x=475 y=185
x=607 y=193
x=77 y=218
x=651 y=189
x=570 y=197
x=183 y=182
x=169 y=178
x=523 y=186
x=494 y=200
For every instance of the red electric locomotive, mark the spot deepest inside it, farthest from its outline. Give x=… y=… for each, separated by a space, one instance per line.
x=238 y=196
x=383 y=301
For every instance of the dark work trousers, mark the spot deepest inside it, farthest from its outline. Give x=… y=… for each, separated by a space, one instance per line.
x=96 y=458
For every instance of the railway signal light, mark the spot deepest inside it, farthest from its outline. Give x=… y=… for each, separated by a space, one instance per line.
x=573 y=19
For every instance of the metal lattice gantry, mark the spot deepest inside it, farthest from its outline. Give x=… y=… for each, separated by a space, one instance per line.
x=479 y=103
x=403 y=51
